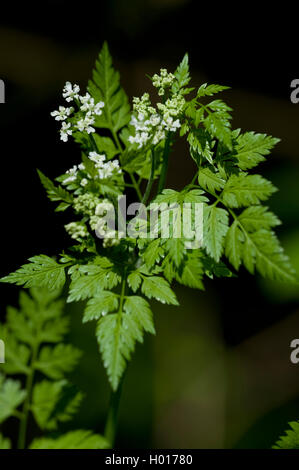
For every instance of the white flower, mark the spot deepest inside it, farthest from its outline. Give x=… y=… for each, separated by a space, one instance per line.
x=84 y=182
x=98 y=108
x=73 y=175
x=84 y=125
x=96 y=158
x=171 y=125
x=65 y=131
x=81 y=166
x=70 y=92
x=106 y=170
x=89 y=105
x=62 y=114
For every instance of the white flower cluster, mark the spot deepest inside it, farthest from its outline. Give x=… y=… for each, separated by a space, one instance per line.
x=88 y=111
x=163 y=81
x=150 y=124
x=98 y=223
x=105 y=169
x=77 y=230
x=96 y=210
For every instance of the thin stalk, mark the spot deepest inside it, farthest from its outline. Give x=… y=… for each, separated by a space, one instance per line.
x=26 y=406
x=119 y=147
x=150 y=181
x=112 y=417
x=164 y=164
x=136 y=186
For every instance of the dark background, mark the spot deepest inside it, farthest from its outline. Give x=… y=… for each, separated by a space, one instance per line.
x=218 y=374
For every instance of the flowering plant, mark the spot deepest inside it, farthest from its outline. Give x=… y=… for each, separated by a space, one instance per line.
x=117 y=266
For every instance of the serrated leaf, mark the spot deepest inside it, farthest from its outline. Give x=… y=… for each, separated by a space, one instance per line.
x=42 y=271
x=11 y=396
x=256 y=217
x=176 y=250
x=252 y=148
x=94 y=278
x=140 y=309
x=233 y=250
x=290 y=439
x=210 y=181
x=54 y=402
x=158 y=288
x=55 y=362
x=192 y=272
x=100 y=305
x=105 y=86
x=152 y=254
x=182 y=74
x=106 y=145
x=245 y=190
x=209 y=90
x=55 y=193
x=215 y=229
x=134 y=281
x=117 y=334
x=79 y=439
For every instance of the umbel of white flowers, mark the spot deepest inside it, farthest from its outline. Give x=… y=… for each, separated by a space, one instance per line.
x=151 y=124
x=105 y=170
x=81 y=121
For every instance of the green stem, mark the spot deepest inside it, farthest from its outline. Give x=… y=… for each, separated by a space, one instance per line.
x=150 y=181
x=119 y=147
x=26 y=406
x=164 y=164
x=112 y=417
x=136 y=186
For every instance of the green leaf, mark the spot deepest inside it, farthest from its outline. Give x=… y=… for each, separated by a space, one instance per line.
x=251 y=149
x=245 y=190
x=158 y=288
x=176 y=250
x=233 y=246
x=79 y=439
x=94 y=278
x=209 y=90
x=152 y=255
x=106 y=145
x=140 y=310
x=55 y=193
x=258 y=249
x=105 y=86
x=182 y=74
x=42 y=271
x=134 y=281
x=100 y=305
x=215 y=228
x=290 y=440
x=210 y=181
x=5 y=443
x=256 y=217
x=11 y=396
x=117 y=334
x=54 y=402
x=218 y=125
x=55 y=362
x=192 y=272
